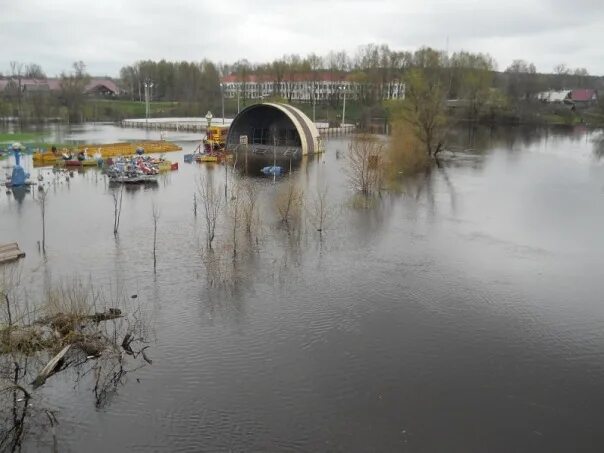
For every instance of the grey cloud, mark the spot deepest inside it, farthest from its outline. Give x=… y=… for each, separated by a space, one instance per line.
x=110 y=34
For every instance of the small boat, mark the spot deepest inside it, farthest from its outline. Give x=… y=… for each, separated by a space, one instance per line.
x=206 y=158
x=45 y=157
x=78 y=163
x=72 y=163
x=133 y=178
x=138 y=170
x=162 y=164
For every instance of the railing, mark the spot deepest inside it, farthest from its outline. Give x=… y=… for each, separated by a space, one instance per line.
x=262 y=150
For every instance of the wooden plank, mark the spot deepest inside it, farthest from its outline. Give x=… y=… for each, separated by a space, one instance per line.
x=9 y=246
x=50 y=367
x=10 y=252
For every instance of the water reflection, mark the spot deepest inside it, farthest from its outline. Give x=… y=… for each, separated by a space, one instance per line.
x=473 y=138
x=19 y=193
x=598 y=144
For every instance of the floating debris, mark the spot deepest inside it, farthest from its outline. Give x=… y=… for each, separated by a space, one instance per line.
x=10 y=252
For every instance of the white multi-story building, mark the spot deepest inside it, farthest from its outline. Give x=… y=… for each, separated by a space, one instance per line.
x=325 y=88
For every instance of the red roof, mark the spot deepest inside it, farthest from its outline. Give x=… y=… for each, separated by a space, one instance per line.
x=104 y=82
x=54 y=83
x=584 y=95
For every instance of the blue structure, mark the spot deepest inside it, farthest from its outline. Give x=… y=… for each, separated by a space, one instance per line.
x=19 y=177
x=274 y=170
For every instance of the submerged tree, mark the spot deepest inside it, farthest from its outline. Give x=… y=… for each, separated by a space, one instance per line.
x=249 y=208
x=211 y=205
x=319 y=210
x=424 y=110
x=234 y=214
x=42 y=199
x=290 y=200
x=117 y=208
x=155 y=218
x=365 y=164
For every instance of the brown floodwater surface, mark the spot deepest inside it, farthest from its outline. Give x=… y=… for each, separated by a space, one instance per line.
x=461 y=313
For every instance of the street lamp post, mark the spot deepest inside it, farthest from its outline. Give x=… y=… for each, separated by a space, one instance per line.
x=148 y=86
x=222 y=95
x=344 y=106
x=238 y=98
x=314 y=102
x=209 y=117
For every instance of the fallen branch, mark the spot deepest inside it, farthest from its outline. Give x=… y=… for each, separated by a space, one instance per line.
x=50 y=367
x=126 y=344
x=26 y=394
x=112 y=313
x=147 y=359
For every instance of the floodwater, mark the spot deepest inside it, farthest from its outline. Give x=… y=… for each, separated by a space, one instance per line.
x=462 y=313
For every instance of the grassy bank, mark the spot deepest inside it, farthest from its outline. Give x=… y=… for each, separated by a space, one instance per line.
x=22 y=137
x=367 y=116
x=114 y=110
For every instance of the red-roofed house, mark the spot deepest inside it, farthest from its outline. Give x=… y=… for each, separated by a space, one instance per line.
x=584 y=97
x=96 y=86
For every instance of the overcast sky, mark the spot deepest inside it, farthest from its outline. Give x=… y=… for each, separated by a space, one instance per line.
x=108 y=34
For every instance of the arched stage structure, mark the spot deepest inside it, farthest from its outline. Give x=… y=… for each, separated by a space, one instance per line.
x=274 y=128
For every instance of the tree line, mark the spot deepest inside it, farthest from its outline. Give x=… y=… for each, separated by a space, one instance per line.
x=472 y=77
x=35 y=104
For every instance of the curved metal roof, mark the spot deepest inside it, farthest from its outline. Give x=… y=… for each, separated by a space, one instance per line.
x=308 y=132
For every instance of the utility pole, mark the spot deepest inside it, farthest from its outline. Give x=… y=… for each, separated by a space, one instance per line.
x=314 y=102
x=344 y=107
x=274 y=158
x=148 y=86
x=222 y=95
x=238 y=98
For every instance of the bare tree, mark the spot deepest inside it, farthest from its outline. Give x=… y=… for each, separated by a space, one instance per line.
x=34 y=71
x=211 y=203
x=234 y=213
x=117 y=208
x=73 y=89
x=249 y=206
x=155 y=217
x=16 y=72
x=320 y=212
x=42 y=198
x=290 y=200
x=365 y=164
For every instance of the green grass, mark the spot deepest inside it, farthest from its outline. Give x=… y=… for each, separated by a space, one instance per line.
x=22 y=137
x=111 y=110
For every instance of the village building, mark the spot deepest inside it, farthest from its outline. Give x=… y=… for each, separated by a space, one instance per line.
x=581 y=97
x=307 y=87
x=96 y=86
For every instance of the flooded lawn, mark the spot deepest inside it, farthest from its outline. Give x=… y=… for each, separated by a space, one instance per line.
x=463 y=312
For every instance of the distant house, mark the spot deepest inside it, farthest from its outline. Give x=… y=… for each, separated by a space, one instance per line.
x=584 y=97
x=102 y=87
x=97 y=86
x=555 y=97
x=28 y=86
